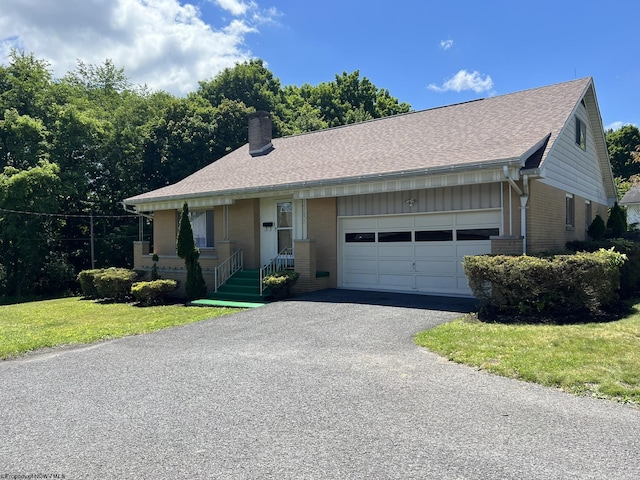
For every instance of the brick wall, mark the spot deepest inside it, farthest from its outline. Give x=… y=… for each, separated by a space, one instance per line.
x=244 y=229
x=322 y=228
x=546 y=218
x=164 y=232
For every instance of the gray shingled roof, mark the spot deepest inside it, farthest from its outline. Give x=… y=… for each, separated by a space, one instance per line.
x=500 y=128
x=632 y=196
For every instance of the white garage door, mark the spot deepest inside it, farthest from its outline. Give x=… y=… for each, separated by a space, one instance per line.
x=413 y=253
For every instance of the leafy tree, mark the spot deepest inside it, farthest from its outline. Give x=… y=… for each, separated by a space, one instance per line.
x=249 y=82
x=24 y=85
x=621 y=144
x=195 y=285
x=23 y=140
x=29 y=243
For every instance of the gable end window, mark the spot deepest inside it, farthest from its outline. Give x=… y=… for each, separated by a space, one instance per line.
x=581 y=134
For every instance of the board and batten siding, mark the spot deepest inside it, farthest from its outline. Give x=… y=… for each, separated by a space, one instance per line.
x=465 y=197
x=571 y=169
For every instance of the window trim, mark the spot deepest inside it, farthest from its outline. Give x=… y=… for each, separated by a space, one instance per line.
x=581 y=134
x=588 y=213
x=570 y=211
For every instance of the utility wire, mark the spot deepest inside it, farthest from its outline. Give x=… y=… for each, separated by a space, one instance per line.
x=65 y=215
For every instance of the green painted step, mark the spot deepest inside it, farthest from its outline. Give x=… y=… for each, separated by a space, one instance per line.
x=243 y=286
x=224 y=303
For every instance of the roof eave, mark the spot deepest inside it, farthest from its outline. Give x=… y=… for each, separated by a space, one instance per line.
x=226 y=196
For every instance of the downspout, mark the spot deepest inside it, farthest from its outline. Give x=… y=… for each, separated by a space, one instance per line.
x=524 y=198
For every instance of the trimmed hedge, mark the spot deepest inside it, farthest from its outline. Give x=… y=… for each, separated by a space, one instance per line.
x=153 y=292
x=561 y=284
x=630 y=271
x=87 y=285
x=111 y=283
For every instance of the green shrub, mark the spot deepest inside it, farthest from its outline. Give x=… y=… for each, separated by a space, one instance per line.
x=114 y=283
x=87 y=285
x=153 y=292
x=280 y=283
x=617 y=222
x=630 y=271
x=597 y=229
x=557 y=285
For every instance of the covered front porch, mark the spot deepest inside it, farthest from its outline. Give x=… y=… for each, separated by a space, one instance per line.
x=269 y=233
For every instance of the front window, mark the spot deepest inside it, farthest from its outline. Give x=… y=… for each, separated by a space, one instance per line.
x=202 y=226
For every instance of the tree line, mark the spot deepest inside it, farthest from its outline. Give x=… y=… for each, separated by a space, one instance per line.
x=72 y=148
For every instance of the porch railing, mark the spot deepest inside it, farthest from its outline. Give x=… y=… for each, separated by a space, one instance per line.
x=227 y=268
x=283 y=261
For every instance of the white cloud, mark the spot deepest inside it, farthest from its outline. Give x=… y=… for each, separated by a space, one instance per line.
x=615 y=125
x=446 y=44
x=162 y=43
x=464 y=80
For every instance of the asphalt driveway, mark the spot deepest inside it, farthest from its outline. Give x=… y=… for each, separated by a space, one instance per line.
x=329 y=385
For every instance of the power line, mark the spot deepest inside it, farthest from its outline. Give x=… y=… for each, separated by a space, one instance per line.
x=65 y=215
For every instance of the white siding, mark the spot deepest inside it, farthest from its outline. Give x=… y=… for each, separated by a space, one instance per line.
x=572 y=169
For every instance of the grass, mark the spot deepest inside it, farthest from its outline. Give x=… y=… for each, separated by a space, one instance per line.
x=598 y=359
x=71 y=321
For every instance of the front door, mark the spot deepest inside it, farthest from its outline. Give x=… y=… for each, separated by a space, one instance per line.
x=276 y=235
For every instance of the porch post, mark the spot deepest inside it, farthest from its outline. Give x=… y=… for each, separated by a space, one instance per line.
x=140 y=250
x=305 y=264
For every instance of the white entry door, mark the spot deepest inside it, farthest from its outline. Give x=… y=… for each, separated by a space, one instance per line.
x=413 y=253
x=276 y=235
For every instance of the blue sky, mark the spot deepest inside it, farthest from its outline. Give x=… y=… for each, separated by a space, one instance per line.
x=425 y=53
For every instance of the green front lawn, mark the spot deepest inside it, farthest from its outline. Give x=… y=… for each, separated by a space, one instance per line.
x=599 y=359
x=67 y=321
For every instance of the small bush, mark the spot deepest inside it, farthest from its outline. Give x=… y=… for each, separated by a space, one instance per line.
x=114 y=283
x=153 y=292
x=280 y=283
x=87 y=284
x=597 y=229
x=617 y=222
x=559 y=285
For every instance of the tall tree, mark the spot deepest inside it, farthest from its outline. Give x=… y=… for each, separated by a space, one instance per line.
x=621 y=144
x=29 y=242
x=195 y=286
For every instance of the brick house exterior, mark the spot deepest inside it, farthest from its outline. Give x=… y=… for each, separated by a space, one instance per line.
x=394 y=204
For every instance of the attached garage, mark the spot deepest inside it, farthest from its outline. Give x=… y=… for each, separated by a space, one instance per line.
x=419 y=253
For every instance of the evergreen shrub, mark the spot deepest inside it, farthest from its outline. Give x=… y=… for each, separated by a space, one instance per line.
x=585 y=282
x=114 y=283
x=87 y=285
x=153 y=292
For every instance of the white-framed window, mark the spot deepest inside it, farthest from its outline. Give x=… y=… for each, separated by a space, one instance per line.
x=570 y=211
x=581 y=133
x=202 y=227
x=587 y=215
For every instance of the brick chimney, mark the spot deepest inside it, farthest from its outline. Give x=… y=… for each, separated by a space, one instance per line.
x=260 y=133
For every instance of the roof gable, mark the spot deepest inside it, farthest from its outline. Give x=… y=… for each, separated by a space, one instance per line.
x=497 y=130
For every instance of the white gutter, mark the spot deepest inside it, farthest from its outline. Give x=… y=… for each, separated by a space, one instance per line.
x=524 y=198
